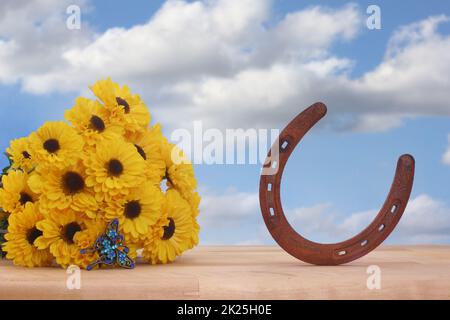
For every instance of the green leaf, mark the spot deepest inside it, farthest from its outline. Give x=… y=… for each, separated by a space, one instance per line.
x=3 y=229
x=4 y=221
x=5 y=170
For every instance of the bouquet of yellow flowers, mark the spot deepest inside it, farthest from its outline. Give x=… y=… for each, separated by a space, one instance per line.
x=67 y=183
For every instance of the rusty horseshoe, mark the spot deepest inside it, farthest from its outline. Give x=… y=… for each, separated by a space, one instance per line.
x=318 y=253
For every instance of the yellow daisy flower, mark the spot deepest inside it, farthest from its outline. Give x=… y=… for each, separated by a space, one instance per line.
x=136 y=212
x=113 y=169
x=21 y=238
x=67 y=182
x=124 y=108
x=15 y=192
x=66 y=233
x=19 y=153
x=64 y=188
x=147 y=145
x=173 y=234
x=55 y=144
x=180 y=176
x=179 y=170
x=91 y=121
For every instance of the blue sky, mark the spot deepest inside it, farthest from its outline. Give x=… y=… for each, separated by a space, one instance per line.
x=339 y=175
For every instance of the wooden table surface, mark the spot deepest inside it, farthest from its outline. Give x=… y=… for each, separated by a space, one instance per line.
x=235 y=272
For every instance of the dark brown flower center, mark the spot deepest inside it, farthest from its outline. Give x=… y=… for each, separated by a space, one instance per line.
x=51 y=145
x=24 y=198
x=169 y=231
x=115 y=167
x=26 y=155
x=141 y=152
x=167 y=178
x=124 y=104
x=33 y=234
x=132 y=209
x=70 y=230
x=97 y=123
x=73 y=182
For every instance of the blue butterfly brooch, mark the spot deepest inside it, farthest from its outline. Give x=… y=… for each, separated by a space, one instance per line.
x=110 y=249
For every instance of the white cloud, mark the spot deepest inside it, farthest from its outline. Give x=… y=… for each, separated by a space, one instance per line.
x=314 y=222
x=187 y=50
x=231 y=207
x=34 y=37
x=231 y=64
x=190 y=41
x=446 y=156
x=181 y=41
x=425 y=220
x=232 y=217
x=411 y=81
x=322 y=223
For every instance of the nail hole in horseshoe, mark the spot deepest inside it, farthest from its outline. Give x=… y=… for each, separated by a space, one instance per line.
x=394 y=208
x=364 y=243
x=269 y=187
x=272 y=212
x=284 y=145
x=381 y=227
x=342 y=253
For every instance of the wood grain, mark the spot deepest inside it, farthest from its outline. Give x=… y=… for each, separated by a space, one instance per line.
x=407 y=272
